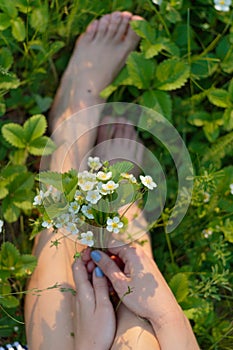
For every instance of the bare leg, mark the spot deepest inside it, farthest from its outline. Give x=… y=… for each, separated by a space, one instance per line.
x=49 y=317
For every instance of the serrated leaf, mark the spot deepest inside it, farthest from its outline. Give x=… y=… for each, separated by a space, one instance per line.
x=18 y=29
x=219 y=97
x=159 y=101
x=14 y=134
x=43 y=103
x=12 y=171
x=22 y=182
x=8 y=80
x=228 y=119
x=160 y=44
x=51 y=178
x=141 y=70
x=120 y=167
x=34 y=127
x=23 y=199
x=171 y=74
x=9 y=255
x=43 y=146
x=199 y=118
x=179 y=286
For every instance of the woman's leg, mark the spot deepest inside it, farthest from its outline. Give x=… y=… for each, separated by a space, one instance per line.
x=98 y=56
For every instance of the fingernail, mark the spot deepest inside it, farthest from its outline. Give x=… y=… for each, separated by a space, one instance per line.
x=98 y=272
x=96 y=256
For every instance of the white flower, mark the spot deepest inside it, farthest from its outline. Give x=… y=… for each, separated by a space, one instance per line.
x=72 y=228
x=87 y=211
x=157 y=2
x=129 y=177
x=86 y=176
x=74 y=207
x=47 y=224
x=78 y=196
x=231 y=188
x=101 y=190
x=114 y=225
x=148 y=182
x=87 y=186
x=207 y=232
x=1 y=225
x=110 y=186
x=62 y=220
x=206 y=197
x=87 y=238
x=222 y=5
x=94 y=163
x=39 y=198
x=93 y=196
x=104 y=176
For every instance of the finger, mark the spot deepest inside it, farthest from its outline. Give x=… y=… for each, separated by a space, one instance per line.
x=86 y=255
x=82 y=283
x=100 y=286
x=129 y=254
x=118 y=279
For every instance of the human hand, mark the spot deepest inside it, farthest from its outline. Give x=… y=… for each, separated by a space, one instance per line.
x=96 y=323
x=140 y=286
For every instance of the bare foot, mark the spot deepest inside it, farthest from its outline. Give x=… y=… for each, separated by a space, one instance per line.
x=99 y=55
x=117 y=140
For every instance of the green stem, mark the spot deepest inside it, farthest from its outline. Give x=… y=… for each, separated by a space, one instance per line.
x=167 y=235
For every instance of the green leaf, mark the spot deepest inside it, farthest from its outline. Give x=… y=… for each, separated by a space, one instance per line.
x=211 y=131
x=144 y=30
x=9 y=301
x=228 y=119
x=123 y=78
x=10 y=211
x=18 y=156
x=179 y=286
x=120 y=167
x=4 y=21
x=14 y=134
x=23 y=199
x=22 y=182
x=9 y=256
x=3 y=190
x=12 y=171
x=140 y=70
x=34 y=127
x=6 y=58
x=29 y=263
x=160 y=44
x=203 y=67
x=18 y=29
x=43 y=103
x=39 y=18
x=8 y=80
x=159 y=101
x=171 y=74
x=51 y=178
x=42 y=146
x=9 y=8
x=219 y=97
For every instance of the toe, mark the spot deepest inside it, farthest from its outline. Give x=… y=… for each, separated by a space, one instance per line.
x=115 y=22
x=102 y=27
x=92 y=29
x=123 y=27
x=131 y=36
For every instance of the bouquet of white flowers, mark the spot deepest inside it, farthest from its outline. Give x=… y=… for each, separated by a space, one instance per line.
x=85 y=205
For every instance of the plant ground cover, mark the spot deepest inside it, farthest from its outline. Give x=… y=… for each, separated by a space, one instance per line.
x=181 y=69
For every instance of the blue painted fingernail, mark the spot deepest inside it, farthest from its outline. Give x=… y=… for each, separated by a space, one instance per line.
x=96 y=256
x=98 y=272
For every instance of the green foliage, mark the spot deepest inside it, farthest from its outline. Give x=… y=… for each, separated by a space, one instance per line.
x=181 y=69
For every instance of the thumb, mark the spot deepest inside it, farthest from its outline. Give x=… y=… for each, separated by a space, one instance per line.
x=100 y=286
x=118 y=279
